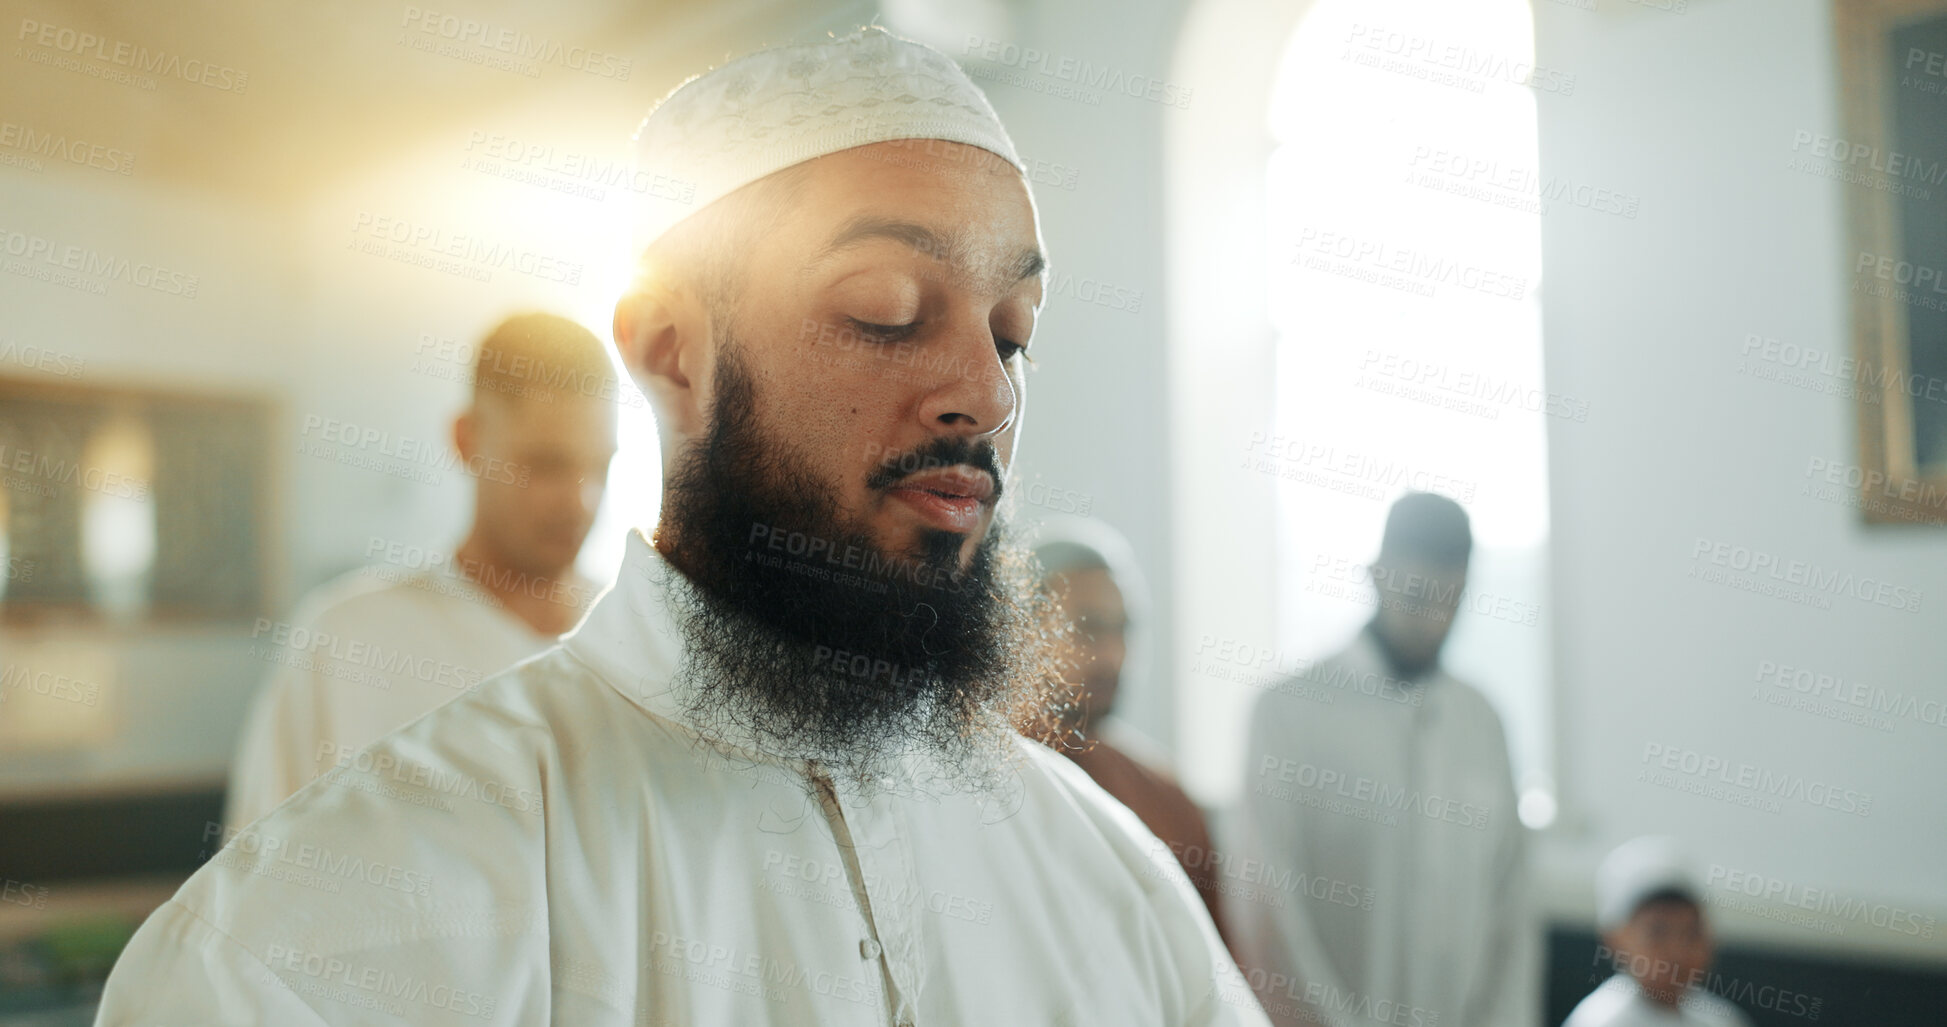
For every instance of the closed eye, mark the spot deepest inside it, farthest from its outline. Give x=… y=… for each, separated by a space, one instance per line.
x=883 y=333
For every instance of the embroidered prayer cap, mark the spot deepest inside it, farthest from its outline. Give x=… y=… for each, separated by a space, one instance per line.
x=769 y=110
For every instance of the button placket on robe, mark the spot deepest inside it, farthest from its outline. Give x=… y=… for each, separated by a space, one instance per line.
x=886 y=865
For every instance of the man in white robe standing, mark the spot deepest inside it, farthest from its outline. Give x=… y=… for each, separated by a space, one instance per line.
x=774 y=777
x=374 y=649
x=1397 y=793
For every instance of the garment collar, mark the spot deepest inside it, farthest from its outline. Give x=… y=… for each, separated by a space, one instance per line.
x=632 y=638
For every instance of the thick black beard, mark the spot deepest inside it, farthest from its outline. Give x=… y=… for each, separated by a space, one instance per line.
x=802 y=634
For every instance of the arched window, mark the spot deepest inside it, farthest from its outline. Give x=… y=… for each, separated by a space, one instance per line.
x=1355 y=231
x=1403 y=250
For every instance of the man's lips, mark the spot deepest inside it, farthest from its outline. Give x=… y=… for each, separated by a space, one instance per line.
x=957 y=482
x=950 y=499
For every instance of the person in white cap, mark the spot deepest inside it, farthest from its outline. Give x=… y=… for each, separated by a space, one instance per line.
x=775 y=776
x=1395 y=788
x=377 y=647
x=1653 y=928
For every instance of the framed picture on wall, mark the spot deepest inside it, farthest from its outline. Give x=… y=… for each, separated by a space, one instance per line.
x=132 y=504
x=1891 y=153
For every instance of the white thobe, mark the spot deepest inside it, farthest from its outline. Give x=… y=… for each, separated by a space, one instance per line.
x=363 y=655
x=1619 y=1002
x=1378 y=821
x=560 y=845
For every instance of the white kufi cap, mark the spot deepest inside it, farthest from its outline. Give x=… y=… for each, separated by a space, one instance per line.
x=1636 y=870
x=774 y=108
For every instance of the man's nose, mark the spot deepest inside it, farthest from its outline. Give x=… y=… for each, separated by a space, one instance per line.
x=973 y=393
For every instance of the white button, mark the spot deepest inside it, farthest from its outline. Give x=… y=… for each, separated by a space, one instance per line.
x=869 y=949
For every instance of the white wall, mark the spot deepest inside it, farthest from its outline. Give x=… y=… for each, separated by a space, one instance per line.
x=1697 y=112
x=1645 y=318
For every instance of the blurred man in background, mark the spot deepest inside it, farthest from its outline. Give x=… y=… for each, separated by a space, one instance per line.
x=1090 y=571
x=378 y=647
x=1651 y=915
x=1399 y=786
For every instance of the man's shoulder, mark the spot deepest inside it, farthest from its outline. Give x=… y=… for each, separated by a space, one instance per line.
x=376 y=592
x=1465 y=698
x=1604 y=1006
x=1714 y=1010
x=1072 y=791
x=445 y=813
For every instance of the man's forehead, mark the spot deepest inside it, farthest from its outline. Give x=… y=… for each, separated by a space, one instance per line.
x=984 y=229
x=1003 y=261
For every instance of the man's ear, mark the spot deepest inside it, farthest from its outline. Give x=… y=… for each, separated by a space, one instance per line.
x=466 y=434
x=1617 y=943
x=662 y=335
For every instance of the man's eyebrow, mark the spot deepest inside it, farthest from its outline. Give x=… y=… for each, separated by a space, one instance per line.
x=922 y=239
x=865 y=228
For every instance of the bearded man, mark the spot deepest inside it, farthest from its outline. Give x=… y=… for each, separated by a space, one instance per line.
x=775 y=776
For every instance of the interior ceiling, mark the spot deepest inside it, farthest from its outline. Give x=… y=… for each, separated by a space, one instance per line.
x=334 y=87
